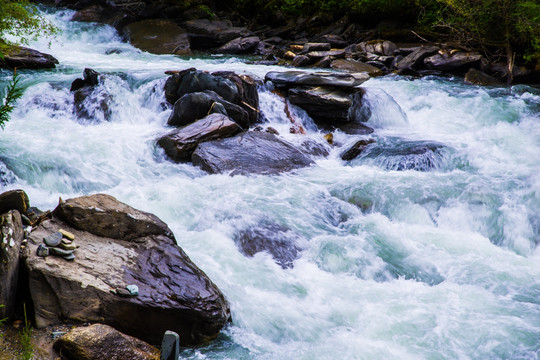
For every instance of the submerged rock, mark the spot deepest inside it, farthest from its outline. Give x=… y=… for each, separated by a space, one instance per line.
x=180 y=143
x=99 y=342
x=158 y=36
x=274 y=239
x=252 y=152
x=120 y=245
x=356 y=149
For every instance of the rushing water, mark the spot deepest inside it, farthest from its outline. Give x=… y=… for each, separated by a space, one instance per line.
x=438 y=264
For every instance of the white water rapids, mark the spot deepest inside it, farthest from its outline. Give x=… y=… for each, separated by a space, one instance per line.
x=439 y=264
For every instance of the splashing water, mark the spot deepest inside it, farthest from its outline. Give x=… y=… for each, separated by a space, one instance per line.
x=401 y=264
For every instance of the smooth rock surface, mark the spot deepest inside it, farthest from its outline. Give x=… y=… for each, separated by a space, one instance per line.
x=448 y=61
x=25 y=58
x=323 y=104
x=416 y=57
x=322 y=78
x=100 y=342
x=131 y=248
x=14 y=200
x=12 y=235
x=356 y=67
x=158 y=36
x=180 y=143
x=239 y=45
x=251 y=152
x=53 y=239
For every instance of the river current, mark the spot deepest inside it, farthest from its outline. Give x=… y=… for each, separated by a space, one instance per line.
x=438 y=264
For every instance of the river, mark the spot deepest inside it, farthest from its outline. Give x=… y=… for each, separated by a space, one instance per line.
x=438 y=264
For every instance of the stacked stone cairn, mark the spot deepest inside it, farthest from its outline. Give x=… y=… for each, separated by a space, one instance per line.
x=59 y=244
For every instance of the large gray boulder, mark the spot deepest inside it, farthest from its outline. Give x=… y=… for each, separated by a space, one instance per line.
x=180 y=143
x=250 y=152
x=416 y=57
x=158 y=36
x=25 y=58
x=195 y=106
x=453 y=61
x=119 y=246
x=12 y=234
x=99 y=341
x=322 y=78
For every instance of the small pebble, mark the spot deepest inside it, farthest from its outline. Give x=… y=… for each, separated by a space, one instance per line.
x=53 y=239
x=133 y=290
x=60 y=252
x=66 y=241
x=67 y=234
x=123 y=292
x=42 y=251
x=69 y=257
x=70 y=246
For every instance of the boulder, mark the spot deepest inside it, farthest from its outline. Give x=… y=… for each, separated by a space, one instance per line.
x=120 y=246
x=12 y=233
x=14 y=200
x=416 y=57
x=453 y=61
x=158 y=36
x=239 y=45
x=316 y=47
x=321 y=54
x=206 y=34
x=300 y=60
x=90 y=78
x=197 y=105
x=301 y=78
x=180 y=143
x=192 y=80
x=477 y=77
x=99 y=341
x=274 y=239
x=356 y=67
x=249 y=152
x=91 y=101
x=335 y=41
x=25 y=58
x=324 y=62
x=323 y=104
x=379 y=47
x=248 y=95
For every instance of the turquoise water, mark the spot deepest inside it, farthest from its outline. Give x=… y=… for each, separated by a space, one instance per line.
x=439 y=264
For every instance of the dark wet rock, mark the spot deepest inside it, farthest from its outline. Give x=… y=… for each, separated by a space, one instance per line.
x=356 y=149
x=323 y=63
x=25 y=58
x=180 y=143
x=53 y=239
x=170 y=346
x=206 y=34
x=158 y=36
x=248 y=95
x=477 y=77
x=355 y=66
x=197 y=105
x=316 y=47
x=12 y=235
x=322 y=54
x=379 y=47
x=301 y=78
x=404 y=155
x=92 y=13
x=274 y=239
x=335 y=41
x=244 y=45
x=123 y=292
x=92 y=104
x=323 y=104
x=300 y=60
x=120 y=245
x=98 y=342
x=251 y=152
x=416 y=57
x=192 y=80
x=14 y=200
x=453 y=61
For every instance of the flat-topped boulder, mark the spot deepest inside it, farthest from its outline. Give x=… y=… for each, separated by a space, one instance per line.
x=321 y=78
x=25 y=58
x=118 y=246
x=453 y=61
x=355 y=67
x=321 y=103
x=250 y=152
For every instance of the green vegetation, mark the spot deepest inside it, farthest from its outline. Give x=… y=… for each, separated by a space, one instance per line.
x=27 y=349
x=14 y=92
